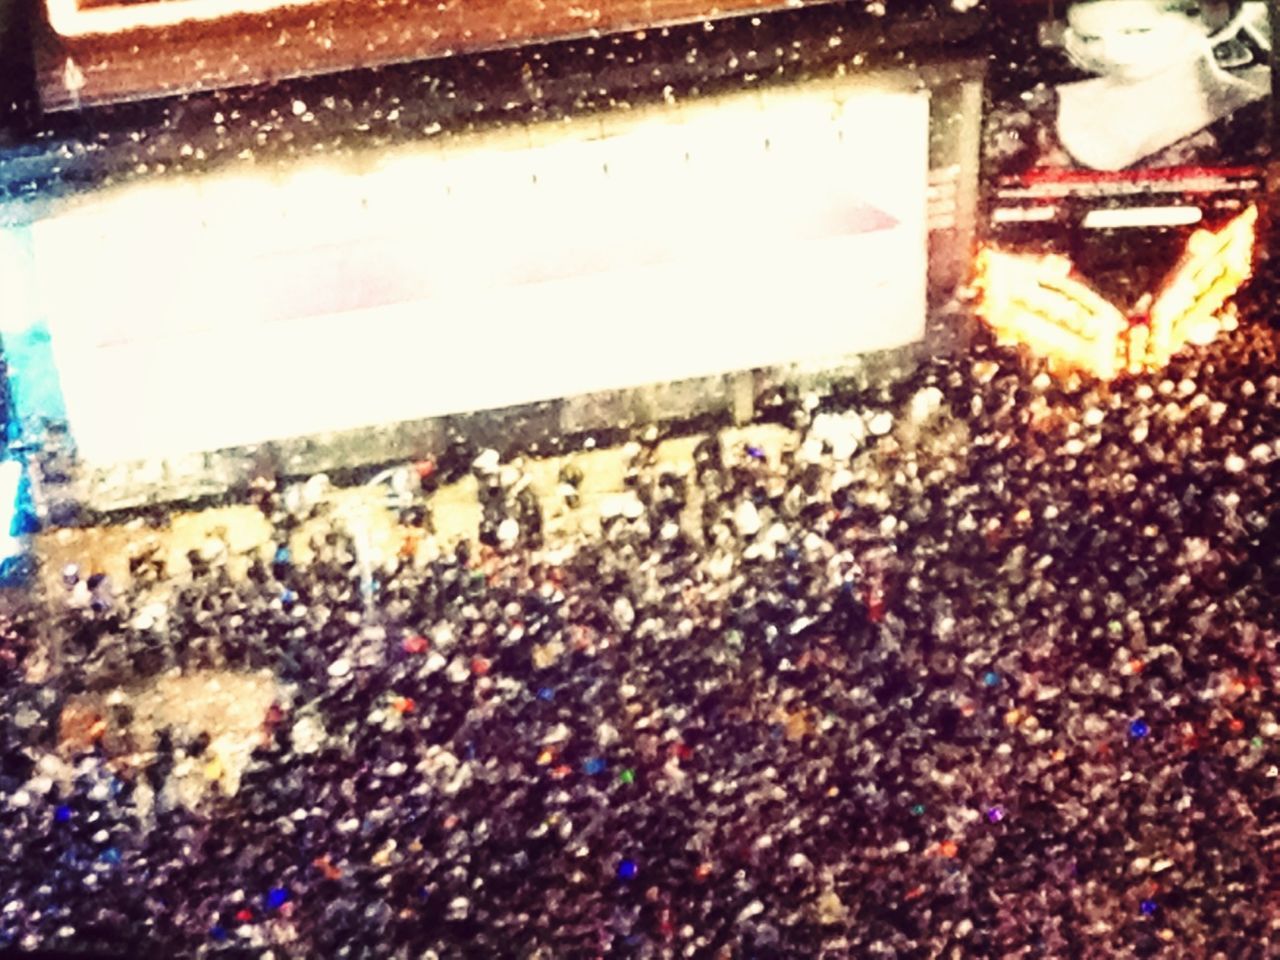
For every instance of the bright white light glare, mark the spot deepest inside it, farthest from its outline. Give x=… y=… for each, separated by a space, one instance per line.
x=488 y=273
x=70 y=20
x=1024 y=214
x=10 y=479
x=17 y=301
x=1142 y=217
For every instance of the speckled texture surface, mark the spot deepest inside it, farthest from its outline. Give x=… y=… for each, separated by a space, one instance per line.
x=977 y=665
x=984 y=666
x=348 y=115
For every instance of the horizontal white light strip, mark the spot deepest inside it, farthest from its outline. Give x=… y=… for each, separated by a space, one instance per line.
x=1023 y=214
x=69 y=20
x=1142 y=217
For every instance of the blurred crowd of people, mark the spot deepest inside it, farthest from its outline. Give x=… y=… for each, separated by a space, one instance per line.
x=984 y=664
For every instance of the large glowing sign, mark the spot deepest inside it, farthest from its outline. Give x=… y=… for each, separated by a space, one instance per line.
x=472 y=273
x=1214 y=266
x=1037 y=301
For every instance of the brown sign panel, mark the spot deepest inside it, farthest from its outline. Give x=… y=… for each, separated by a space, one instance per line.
x=102 y=51
x=96 y=51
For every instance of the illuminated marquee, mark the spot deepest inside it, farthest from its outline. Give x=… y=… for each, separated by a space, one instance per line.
x=1035 y=300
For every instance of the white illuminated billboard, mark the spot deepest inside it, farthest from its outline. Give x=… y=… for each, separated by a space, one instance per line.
x=487 y=271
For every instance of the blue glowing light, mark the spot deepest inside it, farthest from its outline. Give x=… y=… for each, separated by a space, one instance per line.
x=277 y=898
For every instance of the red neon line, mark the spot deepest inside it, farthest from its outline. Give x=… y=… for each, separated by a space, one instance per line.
x=1132 y=176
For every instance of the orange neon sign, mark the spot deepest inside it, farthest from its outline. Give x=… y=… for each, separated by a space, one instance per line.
x=1036 y=301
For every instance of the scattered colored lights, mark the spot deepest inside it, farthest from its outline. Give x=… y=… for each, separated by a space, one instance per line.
x=628 y=870
x=277 y=898
x=414 y=644
x=754 y=452
x=62 y=814
x=404 y=705
x=1236 y=725
x=245 y=915
x=329 y=871
x=702 y=871
x=875 y=606
x=218 y=932
x=288 y=597
x=283 y=555
x=479 y=666
x=111 y=855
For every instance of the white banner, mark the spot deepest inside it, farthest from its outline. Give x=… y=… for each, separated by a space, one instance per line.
x=487 y=271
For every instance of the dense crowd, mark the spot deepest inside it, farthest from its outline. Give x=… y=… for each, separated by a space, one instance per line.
x=985 y=664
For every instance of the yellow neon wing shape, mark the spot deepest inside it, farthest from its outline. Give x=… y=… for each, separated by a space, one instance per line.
x=1215 y=265
x=1034 y=300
